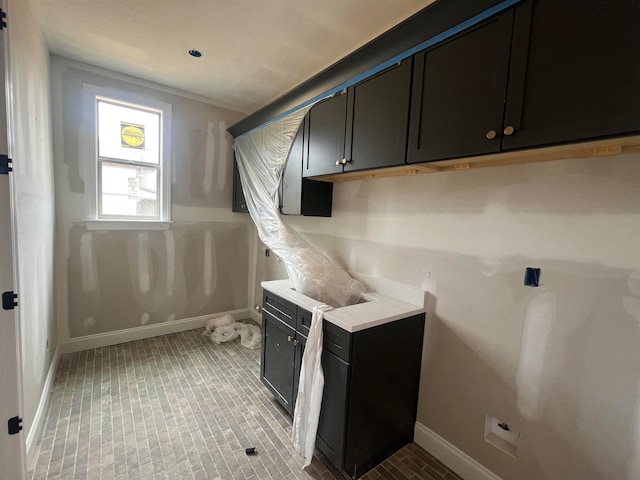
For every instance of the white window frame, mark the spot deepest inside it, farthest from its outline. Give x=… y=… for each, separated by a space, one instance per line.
x=91 y=95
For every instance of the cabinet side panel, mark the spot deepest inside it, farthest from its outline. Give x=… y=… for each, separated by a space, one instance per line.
x=383 y=395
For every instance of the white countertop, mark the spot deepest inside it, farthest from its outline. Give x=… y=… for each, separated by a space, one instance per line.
x=379 y=308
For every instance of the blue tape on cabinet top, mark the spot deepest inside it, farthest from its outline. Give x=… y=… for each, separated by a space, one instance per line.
x=398 y=58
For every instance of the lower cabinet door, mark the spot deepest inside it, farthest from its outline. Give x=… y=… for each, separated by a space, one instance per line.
x=330 y=438
x=333 y=415
x=277 y=367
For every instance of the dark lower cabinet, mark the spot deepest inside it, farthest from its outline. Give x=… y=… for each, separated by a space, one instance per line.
x=279 y=348
x=277 y=363
x=371 y=377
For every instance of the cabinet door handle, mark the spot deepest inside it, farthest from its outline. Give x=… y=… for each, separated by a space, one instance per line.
x=337 y=162
x=295 y=343
x=491 y=134
x=344 y=161
x=508 y=130
x=289 y=338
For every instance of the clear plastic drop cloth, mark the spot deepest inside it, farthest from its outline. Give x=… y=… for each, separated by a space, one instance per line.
x=261 y=156
x=310 y=388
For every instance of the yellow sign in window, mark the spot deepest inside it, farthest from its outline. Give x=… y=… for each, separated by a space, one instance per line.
x=132 y=135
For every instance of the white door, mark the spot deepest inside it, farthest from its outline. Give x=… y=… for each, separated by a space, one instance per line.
x=12 y=451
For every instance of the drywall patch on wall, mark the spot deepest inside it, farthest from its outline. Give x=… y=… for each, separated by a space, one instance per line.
x=225 y=156
x=538 y=326
x=209 y=269
x=632 y=303
x=209 y=160
x=88 y=263
x=195 y=270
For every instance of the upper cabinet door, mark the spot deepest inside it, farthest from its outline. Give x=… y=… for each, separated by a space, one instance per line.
x=377 y=121
x=326 y=132
x=575 y=72
x=459 y=89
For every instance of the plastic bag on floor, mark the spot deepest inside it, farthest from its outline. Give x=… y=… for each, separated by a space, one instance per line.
x=250 y=335
x=226 y=333
x=219 y=321
x=310 y=388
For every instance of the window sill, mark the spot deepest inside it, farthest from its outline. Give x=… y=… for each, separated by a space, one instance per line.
x=127 y=224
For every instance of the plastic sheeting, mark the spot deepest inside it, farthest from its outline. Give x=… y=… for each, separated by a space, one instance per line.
x=311 y=385
x=261 y=156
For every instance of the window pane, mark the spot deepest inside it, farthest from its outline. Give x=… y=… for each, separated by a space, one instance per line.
x=127 y=133
x=129 y=190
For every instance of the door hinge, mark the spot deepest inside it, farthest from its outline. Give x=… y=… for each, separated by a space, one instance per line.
x=15 y=425
x=3 y=23
x=9 y=300
x=5 y=164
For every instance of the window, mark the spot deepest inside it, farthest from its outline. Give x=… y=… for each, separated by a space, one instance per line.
x=128 y=167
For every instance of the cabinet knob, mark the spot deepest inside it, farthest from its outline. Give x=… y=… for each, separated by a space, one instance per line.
x=289 y=338
x=295 y=343
x=344 y=161
x=508 y=130
x=491 y=134
x=337 y=162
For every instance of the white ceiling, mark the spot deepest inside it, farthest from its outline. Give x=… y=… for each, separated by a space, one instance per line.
x=253 y=50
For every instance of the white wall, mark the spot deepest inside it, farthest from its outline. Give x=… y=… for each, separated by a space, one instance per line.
x=114 y=280
x=561 y=363
x=34 y=201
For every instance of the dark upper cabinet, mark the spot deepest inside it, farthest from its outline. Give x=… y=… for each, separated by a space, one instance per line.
x=377 y=121
x=363 y=129
x=542 y=73
x=326 y=123
x=459 y=89
x=239 y=203
x=575 y=72
x=300 y=196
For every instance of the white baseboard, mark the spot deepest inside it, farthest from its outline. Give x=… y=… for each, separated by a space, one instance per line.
x=98 y=340
x=451 y=456
x=256 y=317
x=39 y=419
